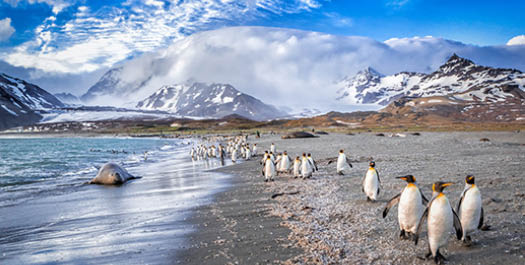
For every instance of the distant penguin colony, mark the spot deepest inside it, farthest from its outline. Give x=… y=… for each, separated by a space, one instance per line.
x=413 y=206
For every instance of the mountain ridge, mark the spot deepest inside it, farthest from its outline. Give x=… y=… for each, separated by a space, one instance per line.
x=208 y=100
x=22 y=103
x=458 y=76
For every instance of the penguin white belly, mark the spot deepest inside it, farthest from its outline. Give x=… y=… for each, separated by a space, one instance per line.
x=285 y=164
x=269 y=170
x=341 y=163
x=410 y=209
x=296 y=168
x=306 y=169
x=470 y=210
x=371 y=184
x=234 y=155
x=440 y=223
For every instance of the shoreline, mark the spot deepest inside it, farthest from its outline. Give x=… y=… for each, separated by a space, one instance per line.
x=329 y=221
x=235 y=227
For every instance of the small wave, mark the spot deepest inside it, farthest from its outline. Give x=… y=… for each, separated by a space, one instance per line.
x=81 y=172
x=166 y=147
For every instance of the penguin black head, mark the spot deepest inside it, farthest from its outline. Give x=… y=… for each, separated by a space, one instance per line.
x=341 y=151
x=266 y=152
x=285 y=153
x=309 y=155
x=372 y=164
x=297 y=158
x=304 y=154
x=469 y=179
x=408 y=178
x=440 y=186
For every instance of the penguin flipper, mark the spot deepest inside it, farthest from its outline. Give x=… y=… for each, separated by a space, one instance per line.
x=391 y=203
x=461 y=199
x=481 y=219
x=348 y=162
x=457 y=225
x=330 y=162
x=425 y=200
x=420 y=224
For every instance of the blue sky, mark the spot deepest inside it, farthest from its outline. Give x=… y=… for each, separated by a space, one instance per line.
x=64 y=37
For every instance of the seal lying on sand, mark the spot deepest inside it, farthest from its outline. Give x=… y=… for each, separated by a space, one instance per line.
x=111 y=174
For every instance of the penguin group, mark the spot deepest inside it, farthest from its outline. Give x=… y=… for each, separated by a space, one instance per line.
x=441 y=217
x=413 y=206
x=222 y=147
x=301 y=167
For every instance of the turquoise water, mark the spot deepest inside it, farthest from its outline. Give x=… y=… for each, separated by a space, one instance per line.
x=34 y=166
x=50 y=216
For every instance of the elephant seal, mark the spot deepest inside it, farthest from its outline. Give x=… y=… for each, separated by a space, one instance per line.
x=111 y=174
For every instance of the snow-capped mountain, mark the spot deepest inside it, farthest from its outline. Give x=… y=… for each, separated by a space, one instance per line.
x=68 y=98
x=115 y=89
x=208 y=100
x=459 y=77
x=22 y=103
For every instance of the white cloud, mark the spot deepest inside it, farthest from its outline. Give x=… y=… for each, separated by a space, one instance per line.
x=6 y=30
x=291 y=67
x=518 y=40
x=96 y=39
x=397 y=3
x=337 y=20
x=56 y=5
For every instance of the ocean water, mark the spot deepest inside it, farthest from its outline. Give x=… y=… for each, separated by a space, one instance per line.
x=48 y=215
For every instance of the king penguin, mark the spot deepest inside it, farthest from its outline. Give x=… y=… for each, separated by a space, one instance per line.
x=371 y=183
x=272 y=148
x=411 y=207
x=342 y=162
x=306 y=167
x=285 y=163
x=268 y=170
x=297 y=167
x=470 y=209
x=314 y=165
x=442 y=219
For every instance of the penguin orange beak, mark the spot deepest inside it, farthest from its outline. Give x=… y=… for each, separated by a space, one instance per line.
x=403 y=178
x=447 y=184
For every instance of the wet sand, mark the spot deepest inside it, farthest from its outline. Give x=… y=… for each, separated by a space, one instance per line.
x=330 y=222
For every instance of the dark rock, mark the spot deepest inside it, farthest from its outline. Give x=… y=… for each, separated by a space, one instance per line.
x=380 y=134
x=321 y=133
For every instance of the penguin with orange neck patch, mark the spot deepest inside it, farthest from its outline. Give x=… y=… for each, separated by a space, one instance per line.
x=470 y=209
x=411 y=207
x=441 y=221
x=371 y=182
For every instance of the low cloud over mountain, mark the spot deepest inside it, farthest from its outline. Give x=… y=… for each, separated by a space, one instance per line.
x=286 y=67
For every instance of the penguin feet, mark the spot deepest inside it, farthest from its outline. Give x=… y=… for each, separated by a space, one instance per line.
x=438 y=259
x=426 y=257
x=402 y=235
x=467 y=241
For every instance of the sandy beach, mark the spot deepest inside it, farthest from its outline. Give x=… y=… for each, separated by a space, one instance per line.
x=329 y=221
